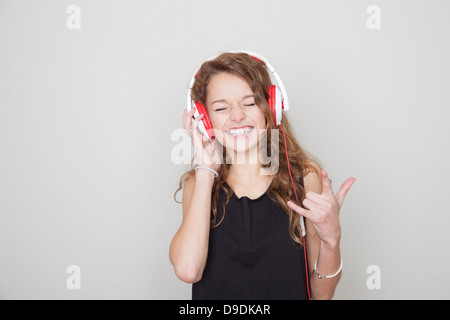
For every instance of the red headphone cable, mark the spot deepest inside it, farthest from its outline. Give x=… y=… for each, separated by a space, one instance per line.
x=304 y=238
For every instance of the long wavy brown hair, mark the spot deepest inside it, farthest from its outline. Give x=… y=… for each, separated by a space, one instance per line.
x=280 y=190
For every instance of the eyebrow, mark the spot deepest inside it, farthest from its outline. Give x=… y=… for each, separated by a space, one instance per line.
x=243 y=98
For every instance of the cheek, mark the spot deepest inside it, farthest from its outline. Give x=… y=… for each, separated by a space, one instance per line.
x=260 y=120
x=217 y=122
x=217 y=127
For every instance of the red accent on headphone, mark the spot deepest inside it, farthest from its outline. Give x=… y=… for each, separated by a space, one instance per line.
x=272 y=100
x=255 y=58
x=206 y=121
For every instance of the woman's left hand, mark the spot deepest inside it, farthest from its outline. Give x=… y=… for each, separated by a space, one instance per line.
x=323 y=209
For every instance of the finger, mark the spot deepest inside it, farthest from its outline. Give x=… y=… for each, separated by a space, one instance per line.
x=212 y=143
x=217 y=151
x=315 y=197
x=343 y=190
x=211 y=148
x=197 y=142
x=192 y=112
x=195 y=132
x=326 y=183
x=311 y=205
x=300 y=210
x=187 y=120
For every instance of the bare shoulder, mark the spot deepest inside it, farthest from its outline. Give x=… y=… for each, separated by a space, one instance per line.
x=312 y=180
x=188 y=190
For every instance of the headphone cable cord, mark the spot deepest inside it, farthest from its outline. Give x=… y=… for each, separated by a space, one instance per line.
x=293 y=186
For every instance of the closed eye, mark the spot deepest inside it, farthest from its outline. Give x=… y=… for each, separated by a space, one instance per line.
x=246 y=105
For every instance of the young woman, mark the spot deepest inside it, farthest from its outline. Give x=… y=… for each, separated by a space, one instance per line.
x=241 y=234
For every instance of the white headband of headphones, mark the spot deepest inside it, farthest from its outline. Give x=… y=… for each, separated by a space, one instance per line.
x=269 y=66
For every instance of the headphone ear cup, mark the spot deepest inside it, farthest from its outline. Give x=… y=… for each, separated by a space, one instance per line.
x=275 y=103
x=205 y=126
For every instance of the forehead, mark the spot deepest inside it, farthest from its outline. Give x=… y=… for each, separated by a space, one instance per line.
x=227 y=84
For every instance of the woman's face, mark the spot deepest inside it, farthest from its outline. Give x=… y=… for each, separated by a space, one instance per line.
x=235 y=117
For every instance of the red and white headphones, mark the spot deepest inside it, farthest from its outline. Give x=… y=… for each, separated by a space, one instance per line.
x=277 y=100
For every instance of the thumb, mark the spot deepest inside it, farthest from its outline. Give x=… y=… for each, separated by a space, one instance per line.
x=340 y=196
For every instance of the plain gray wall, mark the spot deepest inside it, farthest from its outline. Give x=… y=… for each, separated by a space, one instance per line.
x=86 y=117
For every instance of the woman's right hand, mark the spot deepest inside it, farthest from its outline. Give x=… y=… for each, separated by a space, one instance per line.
x=207 y=153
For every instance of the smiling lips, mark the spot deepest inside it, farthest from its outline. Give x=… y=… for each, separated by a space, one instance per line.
x=239 y=132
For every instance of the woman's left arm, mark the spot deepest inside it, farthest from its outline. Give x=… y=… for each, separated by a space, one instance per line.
x=323 y=231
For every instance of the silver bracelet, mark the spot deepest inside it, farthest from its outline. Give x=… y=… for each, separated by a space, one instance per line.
x=202 y=167
x=327 y=277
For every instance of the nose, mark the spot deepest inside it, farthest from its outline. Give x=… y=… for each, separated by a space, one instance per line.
x=237 y=114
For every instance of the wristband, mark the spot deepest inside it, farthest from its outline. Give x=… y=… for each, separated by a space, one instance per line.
x=202 y=167
x=327 y=277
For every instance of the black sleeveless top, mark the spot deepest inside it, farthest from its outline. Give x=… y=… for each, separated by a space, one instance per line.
x=251 y=254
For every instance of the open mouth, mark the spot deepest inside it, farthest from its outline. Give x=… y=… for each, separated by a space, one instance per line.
x=239 y=132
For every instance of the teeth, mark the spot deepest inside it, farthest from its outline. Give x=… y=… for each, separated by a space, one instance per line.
x=239 y=132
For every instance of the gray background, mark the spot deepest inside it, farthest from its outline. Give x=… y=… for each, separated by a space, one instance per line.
x=86 y=116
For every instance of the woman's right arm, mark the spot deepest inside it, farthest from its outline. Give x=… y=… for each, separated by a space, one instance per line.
x=189 y=247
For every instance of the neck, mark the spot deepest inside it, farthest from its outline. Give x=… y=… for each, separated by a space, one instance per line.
x=246 y=168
